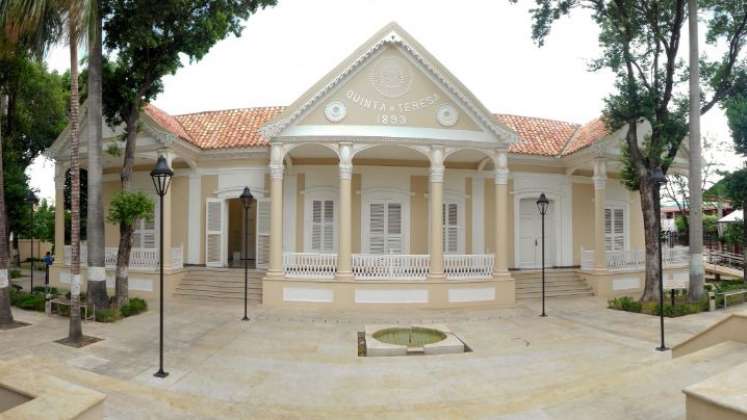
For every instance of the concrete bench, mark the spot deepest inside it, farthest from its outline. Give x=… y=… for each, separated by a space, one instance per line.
x=734 y=293
x=66 y=302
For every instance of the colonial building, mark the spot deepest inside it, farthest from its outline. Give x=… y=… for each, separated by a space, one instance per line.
x=386 y=183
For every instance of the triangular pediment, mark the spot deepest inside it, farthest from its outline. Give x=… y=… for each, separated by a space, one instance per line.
x=390 y=87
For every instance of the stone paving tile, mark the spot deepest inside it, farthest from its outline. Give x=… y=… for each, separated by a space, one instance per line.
x=583 y=361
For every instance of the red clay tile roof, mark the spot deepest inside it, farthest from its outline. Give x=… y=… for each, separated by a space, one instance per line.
x=585 y=136
x=236 y=128
x=538 y=136
x=166 y=121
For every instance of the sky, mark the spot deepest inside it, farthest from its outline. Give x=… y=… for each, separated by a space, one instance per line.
x=485 y=43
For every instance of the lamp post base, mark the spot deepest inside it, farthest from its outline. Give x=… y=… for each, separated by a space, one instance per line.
x=245 y=318
x=543 y=315
x=662 y=348
x=161 y=374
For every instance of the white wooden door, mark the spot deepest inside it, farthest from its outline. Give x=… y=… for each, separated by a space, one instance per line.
x=264 y=214
x=530 y=235
x=214 y=232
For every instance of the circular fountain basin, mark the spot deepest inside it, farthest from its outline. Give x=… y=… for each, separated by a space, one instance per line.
x=398 y=340
x=410 y=337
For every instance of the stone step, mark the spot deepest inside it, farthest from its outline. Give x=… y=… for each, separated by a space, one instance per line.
x=222 y=282
x=534 y=282
x=218 y=297
x=533 y=295
x=553 y=286
x=208 y=288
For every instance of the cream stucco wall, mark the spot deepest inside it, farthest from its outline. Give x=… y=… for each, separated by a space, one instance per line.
x=583 y=219
x=179 y=212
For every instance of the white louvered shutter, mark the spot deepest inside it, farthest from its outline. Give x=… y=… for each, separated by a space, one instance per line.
x=608 y=229
x=264 y=215
x=614 y=229
x=618 y=230
x=144 y=235
x=377 y=229
x=323 y=225
x=214 y=232
x=450 y=220
x=385 y=228
x=394 y=228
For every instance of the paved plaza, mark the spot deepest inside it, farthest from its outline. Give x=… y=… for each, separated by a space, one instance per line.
x=582 y=362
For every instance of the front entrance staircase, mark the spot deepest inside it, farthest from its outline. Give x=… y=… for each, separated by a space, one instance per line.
x=220 y=284
x=558 y=282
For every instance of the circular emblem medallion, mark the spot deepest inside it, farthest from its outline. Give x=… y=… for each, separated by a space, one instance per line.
x=335 y=111
x=391 y=77
x=447 y=115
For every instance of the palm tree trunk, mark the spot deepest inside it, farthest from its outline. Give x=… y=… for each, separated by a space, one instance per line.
x=76 y=329
x=6 y=315
x=695 y=226
x=97 y=294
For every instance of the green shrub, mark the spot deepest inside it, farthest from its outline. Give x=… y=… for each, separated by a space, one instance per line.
x=14 y=273
x=133 y=307
x=26 y=300
x=51 y=290
x=106 y=315
x=625 y=303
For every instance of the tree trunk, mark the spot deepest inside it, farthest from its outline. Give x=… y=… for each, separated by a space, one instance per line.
x=76 y=329
x=125 y=231
x=123 y=262
x=652 y=227
x=6 y=315
x=695 y=183
x=97 y=294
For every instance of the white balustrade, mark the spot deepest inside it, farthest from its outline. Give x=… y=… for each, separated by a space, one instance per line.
x=634 y=259
x=477 y=266
x=140 y=258
x=309 y=265
x=390 y=267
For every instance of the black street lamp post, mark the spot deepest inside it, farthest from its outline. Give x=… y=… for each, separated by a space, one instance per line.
x=246 y=200
x=32 y=200
x=161 y=176
x=543 y=204
x=658 y=179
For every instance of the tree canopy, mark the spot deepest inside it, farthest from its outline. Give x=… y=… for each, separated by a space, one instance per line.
x=151 y=38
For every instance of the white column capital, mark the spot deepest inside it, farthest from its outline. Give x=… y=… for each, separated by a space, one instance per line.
x=501 y=167
x=167 y=154
x=277 y=153
x=437 y=164
x=346 y=160
x=600 y=173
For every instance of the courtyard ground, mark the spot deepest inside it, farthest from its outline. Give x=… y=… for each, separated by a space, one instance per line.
x=582 y=362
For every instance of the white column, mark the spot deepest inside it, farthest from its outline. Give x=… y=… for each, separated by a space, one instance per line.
x=344 y=241
x=436 y=271
x=500 y=268
x=194 y=213
x=600 y=183
x=478 y=218
x=275 y=269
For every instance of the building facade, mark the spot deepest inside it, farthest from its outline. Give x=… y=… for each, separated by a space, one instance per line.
x=386 y=183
